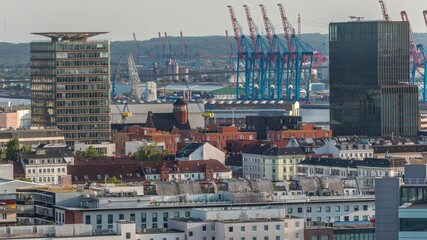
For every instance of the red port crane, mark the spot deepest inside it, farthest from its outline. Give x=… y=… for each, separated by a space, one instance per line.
x=253 y=31
x=289 y=31
x=236 y=28
x=386 y=17
x=183 y=47
x=299 y=25
x=168 y=46
x=268 y=27
x=425 y=16
x=412 y=45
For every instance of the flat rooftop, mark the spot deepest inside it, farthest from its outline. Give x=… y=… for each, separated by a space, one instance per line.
x=68 y=36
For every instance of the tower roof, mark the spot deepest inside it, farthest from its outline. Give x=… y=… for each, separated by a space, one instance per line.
x=179 y=102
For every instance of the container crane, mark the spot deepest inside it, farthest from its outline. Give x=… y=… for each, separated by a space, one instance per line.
x=183 y=48
x=412 y=47
x=384 y=11
x=244 y=53
x=287 y=27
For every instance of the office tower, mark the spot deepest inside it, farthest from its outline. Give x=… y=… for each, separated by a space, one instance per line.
x=70 y=85
x=369 y=79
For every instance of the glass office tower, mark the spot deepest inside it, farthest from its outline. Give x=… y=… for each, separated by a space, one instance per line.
x=369 y=79
x=70 y=86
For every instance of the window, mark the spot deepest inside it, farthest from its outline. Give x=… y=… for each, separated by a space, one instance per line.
x=337 y=208
x=289 y=210
x=277 y=237
x=346 y=208
x=154 y=225
x=365 y=207
x=365 y=217
x=277 y=227
x=265 y=238
x=230 y=229
x=337 y=219
x=254 y=228
x=132 y=217
x=297 y=224
x=98 y=219
x=187 y=214
x=143 y=217
x=265 y=227
x=165 y=216
x=87 y=219
x=309 y=209
x=154 y=217
x=299 y=210
x=204 y=228
x=253 y=238
x=297 y=235
x=110 y=218
x=318 y=209
x=346 y=219
x=213 y=227
x=4 y=216
x=121 y=216
x=190 y=233
x=176 y=214
x=242 y=228
x=356 y=218
x=327 y=208
x=128 y=235
x=356 y=207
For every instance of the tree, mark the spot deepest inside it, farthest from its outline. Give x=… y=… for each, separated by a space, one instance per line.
x=12 y=149
x=92 y=152
x=27 y=148
x=2 y=154
x=114 y=180
x=149 y=153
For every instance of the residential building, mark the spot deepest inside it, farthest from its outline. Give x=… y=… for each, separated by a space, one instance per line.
x=48 y=165
x=32 y=137
x=235 y=163
x=195 y=170
x=200 y=151
x=344 y=168
x=375 y=97
x=70 y=85
x=164 y=200
x=406 y=151
x=273 y=163
x=100 y=169
x=300 y=131
x=15 y=117
x=363 y=231
x=225 y=224
x=104 y=148
x=6 y=171
x=358 y=150
x=219 y=135
x=7 y=211
x=262 y=124
x=120 y=230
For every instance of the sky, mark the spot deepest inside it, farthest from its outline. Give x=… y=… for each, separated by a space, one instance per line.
x=146 y=18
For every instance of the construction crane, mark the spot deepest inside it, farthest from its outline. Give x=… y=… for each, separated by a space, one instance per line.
x=115 y=78
x=384 y=11
x=299 y=25
x=168 y=46
x=183 y=48
x=134 y=79
x=162 y=47
x=137 y=53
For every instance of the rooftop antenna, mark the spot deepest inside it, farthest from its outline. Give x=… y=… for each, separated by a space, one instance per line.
x=358 y=19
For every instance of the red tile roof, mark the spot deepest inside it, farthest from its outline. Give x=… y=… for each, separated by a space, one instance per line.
x=185 y=166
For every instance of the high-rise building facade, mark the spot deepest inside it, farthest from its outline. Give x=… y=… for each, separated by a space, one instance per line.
x=70 y=85
x=369 y=79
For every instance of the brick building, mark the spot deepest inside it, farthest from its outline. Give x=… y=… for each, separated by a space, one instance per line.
x=219 y=135
x=138 y=133
x=302 y=131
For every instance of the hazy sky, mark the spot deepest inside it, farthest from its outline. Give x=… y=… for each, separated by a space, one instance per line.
x=194 y=17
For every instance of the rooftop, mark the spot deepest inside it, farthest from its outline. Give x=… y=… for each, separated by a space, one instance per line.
x=68 y=36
